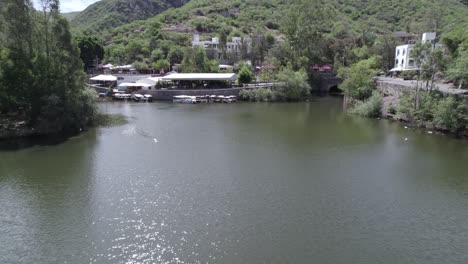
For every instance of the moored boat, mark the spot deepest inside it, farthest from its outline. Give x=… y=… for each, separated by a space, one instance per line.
x=137 y=97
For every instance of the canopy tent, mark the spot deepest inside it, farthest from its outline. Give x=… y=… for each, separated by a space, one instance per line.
x=200 y=77
x=108 y=66
x=104 y=78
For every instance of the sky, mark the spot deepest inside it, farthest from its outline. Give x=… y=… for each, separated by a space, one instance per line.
x=71 y=5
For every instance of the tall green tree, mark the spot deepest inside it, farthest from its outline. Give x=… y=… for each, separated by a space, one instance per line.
x=41 y=71
x=195 y=60
x=304 y=26
x=91 y=49
x=357 y=79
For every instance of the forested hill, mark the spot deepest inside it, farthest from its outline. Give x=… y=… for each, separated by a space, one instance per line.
x=349 y=23
x=106 y=14
x=244 y=17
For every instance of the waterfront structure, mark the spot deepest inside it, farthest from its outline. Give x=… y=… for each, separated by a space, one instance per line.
x=199 y=80
x=403 y=59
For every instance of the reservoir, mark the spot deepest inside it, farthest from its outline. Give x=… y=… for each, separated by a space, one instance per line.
x=237 y=183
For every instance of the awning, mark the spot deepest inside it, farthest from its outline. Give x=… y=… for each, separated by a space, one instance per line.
x=134 y=85
x=200 y=77
x=104 y=78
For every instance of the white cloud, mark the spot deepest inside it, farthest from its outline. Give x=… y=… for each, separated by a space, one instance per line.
x=71 y=5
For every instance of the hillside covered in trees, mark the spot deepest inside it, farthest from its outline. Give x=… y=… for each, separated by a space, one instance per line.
x=350 y=24
x=107 y=14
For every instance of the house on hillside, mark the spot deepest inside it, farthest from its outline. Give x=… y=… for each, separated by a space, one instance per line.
x=403 y=59
x=235 y=47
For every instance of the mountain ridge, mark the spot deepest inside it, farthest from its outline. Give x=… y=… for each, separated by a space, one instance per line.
x=106 y=14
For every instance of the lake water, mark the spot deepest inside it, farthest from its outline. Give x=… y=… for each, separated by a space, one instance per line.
x=240 y=183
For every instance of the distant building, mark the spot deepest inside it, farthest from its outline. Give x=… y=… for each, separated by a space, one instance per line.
x=214 y=43
x=233 y=47
x=403 y=59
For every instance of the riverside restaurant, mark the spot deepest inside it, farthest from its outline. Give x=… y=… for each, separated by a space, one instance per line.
x=185 y=81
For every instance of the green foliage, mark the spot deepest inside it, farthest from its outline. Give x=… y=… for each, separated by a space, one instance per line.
x=458 y=71
x=196 y=61
x=41 y=74
x=108 y=14
x=257 y=95
x=446 y=113
x=304 y=27
x=162 y=64
x=91 y=49
x=175 y=55
x=140 y=66
x=450 y=114
x=371 y=107
x=293 y=85
x=245 y=74
x=357 y=79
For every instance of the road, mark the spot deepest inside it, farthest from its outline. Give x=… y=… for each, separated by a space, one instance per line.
x=443 y=87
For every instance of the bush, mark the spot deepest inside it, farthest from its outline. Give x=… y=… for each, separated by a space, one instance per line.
x=245 y=74
x=447 y=113
x=372 y=107
x=257 y=95
x=293 y=86
x=450 y=114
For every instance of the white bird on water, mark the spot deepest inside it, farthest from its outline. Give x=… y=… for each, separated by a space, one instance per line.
x=155 y=140
x=406 y=139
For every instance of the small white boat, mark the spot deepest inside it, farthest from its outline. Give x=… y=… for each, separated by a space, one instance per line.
x=231 y=99
x=184 y=99
x=148 y=98
x=137 y=97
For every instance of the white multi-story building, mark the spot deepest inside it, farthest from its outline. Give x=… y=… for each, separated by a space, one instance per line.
x=233 y=47
x=214 y=43
x=403 y=59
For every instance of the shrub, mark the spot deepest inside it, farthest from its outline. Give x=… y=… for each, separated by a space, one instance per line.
x=293 y=86
x=245 y=74
x=257 y=95
x=450 y=114
x=372 y=107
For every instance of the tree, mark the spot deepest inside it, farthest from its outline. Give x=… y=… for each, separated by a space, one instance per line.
x=153 y=32
x=293 y=85
x=195 y=60
x=458 y=71
x=357 y=79
x=304 y=27
x=245 y=74
x=91 y=49
x=41 y=71
x=136 y=49
x=176 y=55
x=162 y=64
x=385 y=49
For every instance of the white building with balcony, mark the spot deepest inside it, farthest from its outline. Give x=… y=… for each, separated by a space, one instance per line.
x=233 y=47
x=403 y=59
